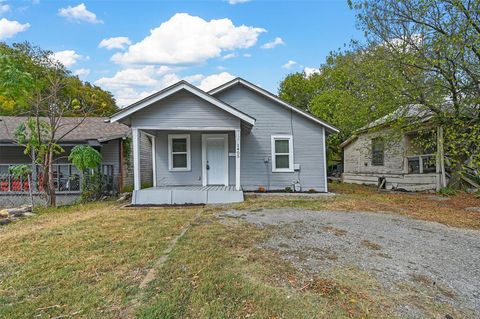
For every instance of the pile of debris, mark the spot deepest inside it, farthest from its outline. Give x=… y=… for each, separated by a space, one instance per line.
x=9 y=215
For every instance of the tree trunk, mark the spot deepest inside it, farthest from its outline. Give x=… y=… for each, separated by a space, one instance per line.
x=51 y=183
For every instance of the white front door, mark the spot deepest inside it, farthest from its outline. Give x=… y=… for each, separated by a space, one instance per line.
x=215 y=159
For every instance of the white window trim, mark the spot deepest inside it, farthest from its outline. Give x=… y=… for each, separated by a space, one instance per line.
x=170 y=153
x=290 y=154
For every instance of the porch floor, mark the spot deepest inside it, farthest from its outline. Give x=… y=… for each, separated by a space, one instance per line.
x=188 y=194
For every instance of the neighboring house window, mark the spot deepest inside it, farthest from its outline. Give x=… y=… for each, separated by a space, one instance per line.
x=179 y=152
x=282 y=153
x=378 y=147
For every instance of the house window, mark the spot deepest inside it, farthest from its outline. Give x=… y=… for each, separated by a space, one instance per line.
x=179 y=152
x=282 y=153
x=378 y=147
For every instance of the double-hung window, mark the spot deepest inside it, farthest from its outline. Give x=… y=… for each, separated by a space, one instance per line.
x=282 y=153
x=378 y=151
x=179 y=152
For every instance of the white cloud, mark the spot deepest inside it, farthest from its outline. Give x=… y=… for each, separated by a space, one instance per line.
x=289 y=64
x=237 y=1
x=115 y=43
x=309 y=71
x=229 y=56
x=10 y=28
x=247 y=55
x=82 y=72
x=132 y=84
x=4 y=8
x=272 y=44
x=215 y=80
x=78 y=14
x=68 y=57
x=186 y=39
x=145 y=76
x=127 y=96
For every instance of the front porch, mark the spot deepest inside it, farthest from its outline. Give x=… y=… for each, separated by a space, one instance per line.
x=189 y=166
x=193 y=194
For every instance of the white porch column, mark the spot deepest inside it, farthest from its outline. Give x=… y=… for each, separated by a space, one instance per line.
x=136 y=158
x=237 y=159
x=154 y=161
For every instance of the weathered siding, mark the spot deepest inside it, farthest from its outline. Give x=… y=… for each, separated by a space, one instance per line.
x=358 y=155
x=273 y=119
x=183 y=109
x=358 y=168
x=194 y=176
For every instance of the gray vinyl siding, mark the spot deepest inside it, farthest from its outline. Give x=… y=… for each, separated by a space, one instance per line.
x=146 y=161
x=110 y=154
x=183 y=109
x=194 y=176
x=273 y=119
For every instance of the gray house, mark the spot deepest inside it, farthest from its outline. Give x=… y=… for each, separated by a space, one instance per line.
x=210 y=147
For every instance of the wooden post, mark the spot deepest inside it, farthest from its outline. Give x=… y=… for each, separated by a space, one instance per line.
x=237 y=159
x=136 y=159
x=442 y=157
x=440 y=160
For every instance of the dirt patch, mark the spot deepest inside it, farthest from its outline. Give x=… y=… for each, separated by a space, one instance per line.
x=412 y=258
x=371 y=245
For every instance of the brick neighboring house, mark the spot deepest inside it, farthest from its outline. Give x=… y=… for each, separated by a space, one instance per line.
x=108 y=138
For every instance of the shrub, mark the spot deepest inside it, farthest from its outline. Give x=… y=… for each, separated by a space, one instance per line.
x=447 y=191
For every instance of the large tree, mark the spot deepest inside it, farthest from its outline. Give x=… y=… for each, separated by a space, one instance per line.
x=442 y=39
x=35 y=85
x=350 y=90
x=23 y=68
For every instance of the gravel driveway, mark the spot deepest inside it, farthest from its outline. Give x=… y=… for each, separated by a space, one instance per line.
x=393 y=248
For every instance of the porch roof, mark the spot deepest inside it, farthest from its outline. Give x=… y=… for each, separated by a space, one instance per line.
x=181 y=85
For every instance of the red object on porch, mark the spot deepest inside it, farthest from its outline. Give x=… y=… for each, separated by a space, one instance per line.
x=4 y=186
x=16 y=185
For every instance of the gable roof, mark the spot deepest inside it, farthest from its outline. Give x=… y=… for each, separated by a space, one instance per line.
x=408 y=111
x=181 y=85
x=274 y=98
x=89 y=128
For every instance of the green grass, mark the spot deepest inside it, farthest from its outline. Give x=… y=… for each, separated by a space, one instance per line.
x=83 y=260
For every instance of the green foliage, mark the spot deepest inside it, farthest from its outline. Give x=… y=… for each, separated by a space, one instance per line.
x=441 y=68
x=20 y=170
x=27 y=69
x=87 y=160
x=127 y=151
x=127 y=188
x=351 y=89
x=85 y=157
x=32 y=135
x=447 y=191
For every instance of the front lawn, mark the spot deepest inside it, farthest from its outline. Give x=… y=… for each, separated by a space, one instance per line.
x=87 y=261
x=82 y=261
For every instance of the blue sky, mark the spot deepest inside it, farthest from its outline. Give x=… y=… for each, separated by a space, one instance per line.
x=151 y=44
